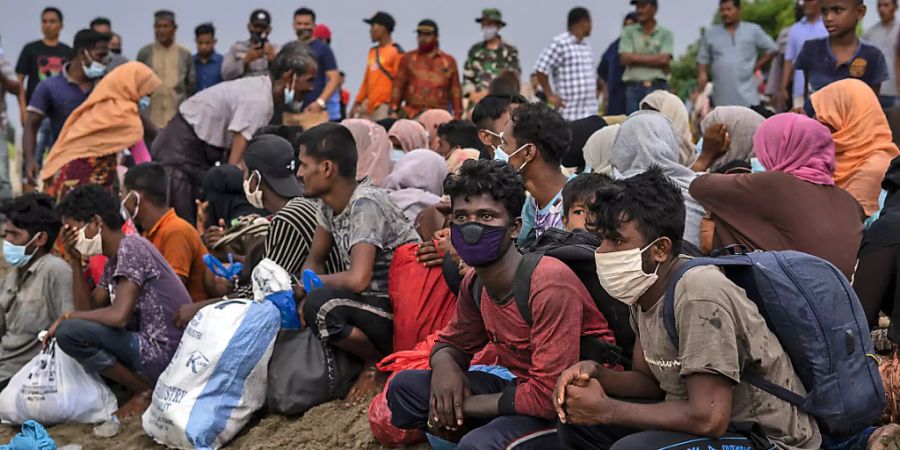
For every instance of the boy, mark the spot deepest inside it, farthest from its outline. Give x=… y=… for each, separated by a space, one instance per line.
x=123 y=329
x=577 y=195
x=485 y=411
x=207 y=62
x=39 y=288
x=352 y=310
x=840 y=55
x=693 y=392
x=492 y=115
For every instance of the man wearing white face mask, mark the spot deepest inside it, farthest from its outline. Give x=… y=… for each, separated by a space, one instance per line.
x=488 y=58
x=39 y=289
x=693 y=391
x=492 y=116
x=56 y=97
x=145 y=201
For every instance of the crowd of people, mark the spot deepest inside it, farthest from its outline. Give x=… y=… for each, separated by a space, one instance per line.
x=425 y=208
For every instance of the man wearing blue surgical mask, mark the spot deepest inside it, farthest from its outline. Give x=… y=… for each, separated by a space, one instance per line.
x=492 y=116
x=56 y=97
x=684 y=395
x=39 y=288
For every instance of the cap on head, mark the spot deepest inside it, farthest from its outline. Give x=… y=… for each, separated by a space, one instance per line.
x=274 y=158
x=261 y=16
x=491 y=14
x=382 y=18
x=322 y=32
x=645 y=2
x=164 y=14
x=427 y=26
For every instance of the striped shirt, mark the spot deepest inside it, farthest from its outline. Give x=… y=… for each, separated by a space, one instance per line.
x=291 y=234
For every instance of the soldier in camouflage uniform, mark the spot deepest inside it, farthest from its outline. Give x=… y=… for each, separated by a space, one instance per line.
x=488 y=58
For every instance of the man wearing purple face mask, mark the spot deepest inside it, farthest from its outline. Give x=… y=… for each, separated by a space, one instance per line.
x=477 y=409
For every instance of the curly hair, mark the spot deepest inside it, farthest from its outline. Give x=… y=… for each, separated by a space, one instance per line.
x=87 y=201
x=496 y=178
x=34 y=213
x=538 y=124
x=650 y=199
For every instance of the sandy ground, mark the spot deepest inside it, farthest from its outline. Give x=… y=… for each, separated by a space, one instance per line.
x=333 y=425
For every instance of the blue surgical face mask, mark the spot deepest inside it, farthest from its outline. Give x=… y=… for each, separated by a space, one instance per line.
x=289 y=91
x=756 y=166
x=396 y=155
x=499 y=154
x=94 y=70
x=144 y=102
x=16 y=255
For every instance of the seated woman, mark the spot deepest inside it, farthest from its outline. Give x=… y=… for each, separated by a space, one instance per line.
x=877 y=273
x=373 y=150
x=727 y=133
x=124 y=328
x=417 y=182
x=863 y=143
x=794 y=205
x=106 y=123
x=671 y=106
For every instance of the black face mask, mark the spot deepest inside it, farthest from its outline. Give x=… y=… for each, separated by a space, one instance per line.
x=117 y=51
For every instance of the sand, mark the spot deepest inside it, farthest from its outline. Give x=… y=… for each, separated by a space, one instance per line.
x=334 y=425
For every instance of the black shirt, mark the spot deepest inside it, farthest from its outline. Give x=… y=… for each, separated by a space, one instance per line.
x=39 y=61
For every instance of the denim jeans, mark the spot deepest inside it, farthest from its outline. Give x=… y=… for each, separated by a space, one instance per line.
x=98 y=347
x=43 y=143
x=887 y=101
x=5 y=186
x=636 y=91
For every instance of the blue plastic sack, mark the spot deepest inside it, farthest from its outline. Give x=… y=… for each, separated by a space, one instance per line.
x=284 y=300
x=219 y=269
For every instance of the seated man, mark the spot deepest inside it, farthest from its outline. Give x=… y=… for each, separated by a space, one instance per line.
x=39 y=288
x=486 y=411
x=145 y=200
x=124 y=328
x=492 y=116
x=690 y=396
x=352 y=311
x=458 y=142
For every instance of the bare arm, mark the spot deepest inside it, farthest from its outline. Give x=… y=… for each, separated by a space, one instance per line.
x=318 y=251
x=765 y=60
x=702 y=76
x=634 y=59
x=787 y=73
x=29 y=142
x=22 y=104
x=334 y=79
x=10 y=85
x=544 y=81
x=359 y=277
x=238 y=146
x=118 y=314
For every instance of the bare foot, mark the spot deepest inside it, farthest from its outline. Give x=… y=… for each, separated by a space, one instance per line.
x=370 y=382
x=136 y=406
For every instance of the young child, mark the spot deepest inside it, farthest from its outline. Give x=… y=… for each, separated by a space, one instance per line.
x=841 y=55
x=577 y=194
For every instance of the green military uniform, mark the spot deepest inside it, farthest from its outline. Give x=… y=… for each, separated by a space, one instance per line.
x=484 y=64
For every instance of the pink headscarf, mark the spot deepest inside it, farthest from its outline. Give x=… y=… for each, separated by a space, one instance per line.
x=411 y=134
x=431 y=120
x=373 y=148
x=795 y=144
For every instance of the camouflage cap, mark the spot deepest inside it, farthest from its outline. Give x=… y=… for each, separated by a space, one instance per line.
x=492 y=14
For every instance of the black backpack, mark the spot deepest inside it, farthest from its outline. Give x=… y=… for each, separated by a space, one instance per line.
x=576 y=250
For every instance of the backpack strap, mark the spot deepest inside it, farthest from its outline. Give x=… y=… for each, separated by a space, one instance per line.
x=522 y=284
x=669 y=299
x=380 y=67
x=477 y=287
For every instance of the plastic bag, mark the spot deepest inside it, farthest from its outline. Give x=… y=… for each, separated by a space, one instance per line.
x=53 y=388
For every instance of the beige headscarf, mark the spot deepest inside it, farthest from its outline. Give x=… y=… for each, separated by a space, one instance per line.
x=598 y=148
x=373 y=148
x=741 y=123
x=673 y=108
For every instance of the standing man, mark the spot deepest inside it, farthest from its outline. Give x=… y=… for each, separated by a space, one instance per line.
x=207 y=63
x=488 y=58
x=811 y=26
x=38 y=61
x=8 y=84
x=174 y=66
x=645 y=49
x=252 y=56
x=104 y=26
x=56 y=97
x=383 y=61
x=610 y=73
x=732 y=49
x=570 y=61
x=327 y=77
x=884 y=35
x=427 y=78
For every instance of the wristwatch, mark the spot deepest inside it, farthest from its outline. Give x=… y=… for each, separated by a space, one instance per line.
x=321 y=103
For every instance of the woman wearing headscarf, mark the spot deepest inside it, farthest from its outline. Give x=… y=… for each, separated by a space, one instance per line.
x=431 y=119
x=647 y=139
x=863 y=142
x=673 y=108
x=97 y=131
x=373 y=149
x=878 y=272
x=733 y=128
x=408 y=135
x=417 y=182
x=598 y=148
x=794 y=205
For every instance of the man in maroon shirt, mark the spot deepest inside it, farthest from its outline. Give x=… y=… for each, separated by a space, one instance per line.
x=481 y=410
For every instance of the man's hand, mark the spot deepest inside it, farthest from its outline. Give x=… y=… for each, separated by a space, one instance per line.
x=214 y=234
x=449 y=389
x=69 y=238
x=578 y=375
x=428 y=255
x=269 y=51
x=314 y=108
x=716 y=141
x=354 y=111
x=253 y=54
x=201 y=215
x=32 y=170
x=588 y=405
x=23 y=117
x=52 y=331
x=555 y=101
x=186 y=313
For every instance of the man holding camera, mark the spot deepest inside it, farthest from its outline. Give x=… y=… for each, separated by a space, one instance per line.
x=251 y=57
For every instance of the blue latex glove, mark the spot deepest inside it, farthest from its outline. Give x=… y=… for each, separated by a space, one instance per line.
x=311 y=281
x=32 y=437
x=229 y=272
